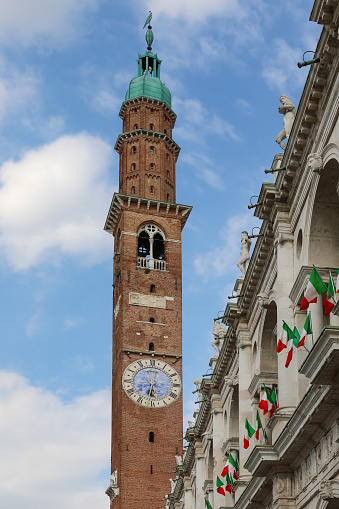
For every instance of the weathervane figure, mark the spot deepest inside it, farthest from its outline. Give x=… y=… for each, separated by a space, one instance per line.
x=149 y=33
x=148 y=20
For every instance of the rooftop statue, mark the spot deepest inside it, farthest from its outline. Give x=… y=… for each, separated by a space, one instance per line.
x=244 y=259
x=219 y=333
x=287 y=109
x=149 y=33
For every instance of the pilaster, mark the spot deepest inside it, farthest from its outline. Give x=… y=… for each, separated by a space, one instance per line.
x=283 y=491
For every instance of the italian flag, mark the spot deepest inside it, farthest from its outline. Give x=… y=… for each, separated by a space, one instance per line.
x=231 y=467
x=249 y=432
x=337 y=287
x=265 y=403
x=315 y=287
x=220 y=488
x=258 y=425
x=229 y=485
x=292 y=346
x=307 y=331
x=265 y=436
x=207 y=504
x=286 y=335
x=274 y=402
x=330 y=300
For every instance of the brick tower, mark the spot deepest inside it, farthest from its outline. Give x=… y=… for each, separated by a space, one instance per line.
x=146 y=223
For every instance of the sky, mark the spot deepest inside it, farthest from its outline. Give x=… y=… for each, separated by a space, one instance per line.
x=65 y=66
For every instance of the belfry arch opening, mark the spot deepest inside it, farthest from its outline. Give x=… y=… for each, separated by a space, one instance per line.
x=151 y=247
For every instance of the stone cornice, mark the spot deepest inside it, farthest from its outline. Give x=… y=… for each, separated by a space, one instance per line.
x=254 y=494
x=321 y=364
x=149 y=134
x=259 y=380
x=268 y=194
x=119 y=200
x=137 y=100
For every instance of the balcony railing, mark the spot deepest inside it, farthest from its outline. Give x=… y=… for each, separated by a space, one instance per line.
x=151 y=263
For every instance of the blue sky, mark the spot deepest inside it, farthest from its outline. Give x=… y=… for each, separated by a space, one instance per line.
x=64 y=69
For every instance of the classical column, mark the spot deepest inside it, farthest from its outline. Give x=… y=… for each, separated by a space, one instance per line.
x=218 y=435
x=317 y=318
x=245 y=408
x=200 y=475
x=283 y=492
x=287 y=378
x=187 y=492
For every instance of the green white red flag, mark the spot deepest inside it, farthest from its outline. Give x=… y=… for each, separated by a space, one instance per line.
x=292 y=346
x=220 y=486
x=231 y=467
x=285 y=336
x=274 y=402
x=258 y=425
x=265 y=436
x=207 y=504
x=315 y=287
x=229 y=484
x=330 y=300
x=249 y=432
x=307 y=331
x=265 y=403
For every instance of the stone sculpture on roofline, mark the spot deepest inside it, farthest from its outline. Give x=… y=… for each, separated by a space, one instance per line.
x=219 y=333
x=287 y=109
x=244 y=259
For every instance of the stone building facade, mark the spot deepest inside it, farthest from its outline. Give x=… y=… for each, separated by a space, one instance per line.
x=297 y=466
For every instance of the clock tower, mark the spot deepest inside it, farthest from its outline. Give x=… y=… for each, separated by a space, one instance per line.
x=146 y=223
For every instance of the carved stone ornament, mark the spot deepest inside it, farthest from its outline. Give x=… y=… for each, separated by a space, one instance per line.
x=315 y=162
x=178 y=459
x=113 y=489
x=287 y=109
x=325 y=490
x=263 y=300
x=219 y=333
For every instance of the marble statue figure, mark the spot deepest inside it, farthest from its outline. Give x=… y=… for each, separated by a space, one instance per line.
x=287 y=109
x=244 y=259
x=219 y=333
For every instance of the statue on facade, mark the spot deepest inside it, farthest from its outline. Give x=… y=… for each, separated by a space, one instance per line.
x=326 y=491
x=315 y=162
x=287 y=109
x=178 y=459
x=244 y=259
x=219 y=333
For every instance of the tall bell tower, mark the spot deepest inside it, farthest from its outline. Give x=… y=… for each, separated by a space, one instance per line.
x=146 y=223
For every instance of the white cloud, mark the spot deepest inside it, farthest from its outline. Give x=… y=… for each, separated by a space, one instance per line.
x=223 y=258
x=202 y=168
x=17 y=88
x=54 y=201
x=34 y=324
x=280 y=69
x=52 y=453
x=193 y=10
x=196 y=122
x=42 y=21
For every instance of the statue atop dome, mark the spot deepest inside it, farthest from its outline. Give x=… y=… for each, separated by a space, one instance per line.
x=149 y=33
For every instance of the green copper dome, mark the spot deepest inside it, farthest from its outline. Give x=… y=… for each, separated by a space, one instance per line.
x=147 y=83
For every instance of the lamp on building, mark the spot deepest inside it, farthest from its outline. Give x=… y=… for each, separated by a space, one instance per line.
x=304 y=63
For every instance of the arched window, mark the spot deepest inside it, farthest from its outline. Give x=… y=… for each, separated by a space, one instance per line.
x=152 y=166
x=165 y=131
x=152 y=319
x=168 y=197
x=134 y=150
x=151 y=436
x=133 y=190
x=135 y=126
x=151 y=127
x=151 y=247
x=151 y=189
x=136 y=111
x=151 y=111
x=151 y=150
x=151 y=347
x=133 y=167
x=152 y=289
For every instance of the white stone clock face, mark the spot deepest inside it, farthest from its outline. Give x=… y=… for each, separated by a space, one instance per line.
x=151 y=383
